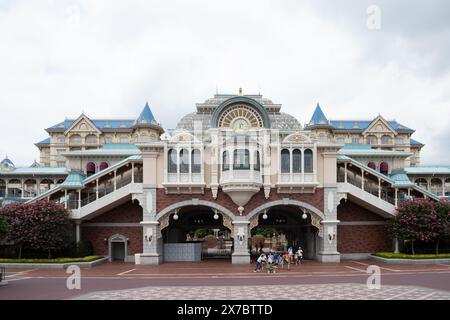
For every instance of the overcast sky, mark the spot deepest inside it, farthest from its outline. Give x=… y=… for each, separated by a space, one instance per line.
x=107 y=58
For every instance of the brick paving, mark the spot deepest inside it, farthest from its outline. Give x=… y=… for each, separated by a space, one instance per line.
x=344 y=291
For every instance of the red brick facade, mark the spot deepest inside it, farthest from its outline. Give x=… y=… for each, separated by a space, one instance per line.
x=164 y=200
x=361 y=238
x=97 y=236
x=126 y=213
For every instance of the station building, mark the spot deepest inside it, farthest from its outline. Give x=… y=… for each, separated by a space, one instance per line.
x=236 y=175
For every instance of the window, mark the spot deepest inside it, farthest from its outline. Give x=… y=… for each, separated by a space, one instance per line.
x=447 y=187
x=124 y=140
x=371 y=140
x=103 y=166
x=340 y=140
x=241 y=159
x=184 y=161
x=59 y=151
x=91 y=139
x=308 y=161
x=108 y=140
x=384 y=168
x=386 y=140
x=90 y=168
x=372 y=165
x=285 y=161
x=75 y=139
x=436 y=186
x=196 y=161
x=399 y=140
x=421 y=182
x=61 y=164
x=296 y=161
x=225 y=161
x=355 y=140
x=172 y=161
x=61 y=140
x=257 y=160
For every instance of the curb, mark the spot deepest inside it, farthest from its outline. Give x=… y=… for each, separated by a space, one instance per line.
x=409 y=261
x=83 y=265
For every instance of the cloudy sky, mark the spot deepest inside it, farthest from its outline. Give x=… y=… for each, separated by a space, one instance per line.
x=107 y=57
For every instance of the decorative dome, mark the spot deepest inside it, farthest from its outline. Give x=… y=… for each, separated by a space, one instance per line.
x=7 y=164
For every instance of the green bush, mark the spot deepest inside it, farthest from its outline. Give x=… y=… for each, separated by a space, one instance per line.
x=57 y=260
x=392 y=255
x=201 y=233
x=84 y=249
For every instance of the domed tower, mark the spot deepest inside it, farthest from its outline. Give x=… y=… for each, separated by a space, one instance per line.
x=146 y=128
x=6 y=164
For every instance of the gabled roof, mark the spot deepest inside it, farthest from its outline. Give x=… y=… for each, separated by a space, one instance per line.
x=102 y=124
x=380 y=118
x=361 y=125
x=85 y=118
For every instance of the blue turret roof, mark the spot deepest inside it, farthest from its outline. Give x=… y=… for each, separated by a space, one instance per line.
x=146 y=116
x=7 y=162
x=318 y=117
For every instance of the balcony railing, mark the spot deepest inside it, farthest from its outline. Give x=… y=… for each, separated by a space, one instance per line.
x=241 y=176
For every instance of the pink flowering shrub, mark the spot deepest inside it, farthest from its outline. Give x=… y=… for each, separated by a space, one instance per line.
x=42 y=225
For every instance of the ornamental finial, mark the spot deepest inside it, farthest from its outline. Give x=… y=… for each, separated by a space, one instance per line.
x=240 y=91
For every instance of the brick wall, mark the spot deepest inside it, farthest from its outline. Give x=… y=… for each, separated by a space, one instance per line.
x=127 y=212
x=164 y=200
x=361 y=238
x=96 y=236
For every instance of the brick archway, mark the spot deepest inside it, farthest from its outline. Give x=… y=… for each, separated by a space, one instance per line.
x=194 y=202
x=286 y=202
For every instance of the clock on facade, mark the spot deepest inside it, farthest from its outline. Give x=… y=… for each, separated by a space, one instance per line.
x=241 y=125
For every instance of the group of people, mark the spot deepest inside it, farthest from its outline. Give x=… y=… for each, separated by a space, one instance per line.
x=273 y=260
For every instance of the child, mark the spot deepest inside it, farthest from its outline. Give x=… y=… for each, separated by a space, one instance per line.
x=299 y=255
x=270 y=268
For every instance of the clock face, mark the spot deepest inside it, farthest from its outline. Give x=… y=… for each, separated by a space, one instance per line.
x=241 y=125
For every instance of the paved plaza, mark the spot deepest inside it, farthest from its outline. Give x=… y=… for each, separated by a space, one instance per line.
x=220 y=280
x=342 y=291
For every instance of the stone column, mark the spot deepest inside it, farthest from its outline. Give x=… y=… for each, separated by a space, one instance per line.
x=328 y=242
x=241 y=254
x=77 y=230
x=152 y=246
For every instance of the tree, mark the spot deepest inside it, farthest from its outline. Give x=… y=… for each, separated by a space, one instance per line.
x=3 y=228
x=416 y=220
x=442 y=209
x=42 y=225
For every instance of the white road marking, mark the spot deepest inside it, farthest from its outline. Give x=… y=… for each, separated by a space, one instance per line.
x=401 y=294
x=365 y=264
x=361 y=270
x=18 y=279
x=425 y=296
x=125 y=272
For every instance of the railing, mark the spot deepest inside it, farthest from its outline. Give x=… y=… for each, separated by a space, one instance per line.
x=105 y=191
x=306 y=177
x=240 y=176
x=184 y=177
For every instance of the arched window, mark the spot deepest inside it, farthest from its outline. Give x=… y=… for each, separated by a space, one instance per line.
x=371 y=140
x=90 y=168
x=436 y=186
x=103 y=166
x=372 y=165
x=308 y=161
x=172 y=161
x=2 y=188
x=447 y=187
x=384 y=168
x=91 y=139
x=225 y=161
x=257 y=160
x=285 y=161
x=184 y=161
x=386 y=140
x=241 y=159
x=196 y=161
x=421 y=182
x=296 y=161
x=76 y=138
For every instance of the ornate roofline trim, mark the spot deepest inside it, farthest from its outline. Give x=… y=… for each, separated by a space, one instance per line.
x=82 y=117
x=374 y=121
